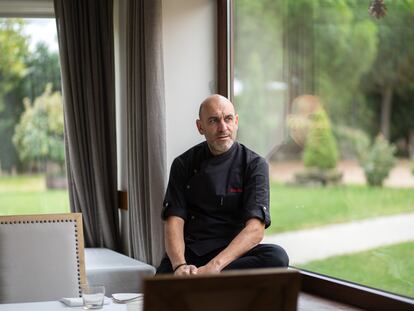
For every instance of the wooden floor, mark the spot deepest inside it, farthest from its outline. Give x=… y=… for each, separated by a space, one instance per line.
x=313 y=303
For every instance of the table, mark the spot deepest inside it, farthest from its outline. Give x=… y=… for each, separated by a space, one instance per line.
x=58 y=306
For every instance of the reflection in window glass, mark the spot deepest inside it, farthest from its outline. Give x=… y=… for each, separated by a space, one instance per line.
x=32 y=157
x=325 y=92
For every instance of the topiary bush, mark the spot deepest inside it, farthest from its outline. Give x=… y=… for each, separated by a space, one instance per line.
x=376 y=158
x=320 y=154
x=378 y=161
x=320 y=148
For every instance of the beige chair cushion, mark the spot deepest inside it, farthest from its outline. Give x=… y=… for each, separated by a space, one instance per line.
x=41 y=257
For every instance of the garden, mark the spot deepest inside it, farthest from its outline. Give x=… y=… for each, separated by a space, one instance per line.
x=319 y=84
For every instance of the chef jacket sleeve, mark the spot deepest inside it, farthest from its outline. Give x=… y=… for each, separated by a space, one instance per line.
x=174 y=200
x=256 y=192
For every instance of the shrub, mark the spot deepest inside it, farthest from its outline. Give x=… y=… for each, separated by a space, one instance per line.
x=376 y=158
x=320 y=148
x=38 y=136
x=320 y=153
x=378 y=161
x=354 y=143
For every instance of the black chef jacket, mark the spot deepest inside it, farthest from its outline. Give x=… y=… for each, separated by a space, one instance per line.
x=216 y=195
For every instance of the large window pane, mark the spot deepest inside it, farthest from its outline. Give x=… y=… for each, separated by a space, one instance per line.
x=324 y=91
x=32 y=161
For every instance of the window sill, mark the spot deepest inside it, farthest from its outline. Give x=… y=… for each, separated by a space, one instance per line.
x=353 y=294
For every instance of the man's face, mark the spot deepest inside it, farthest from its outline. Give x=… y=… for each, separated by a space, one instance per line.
x=218 y=123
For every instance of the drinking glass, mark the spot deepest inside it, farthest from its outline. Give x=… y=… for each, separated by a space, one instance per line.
x=93 y=296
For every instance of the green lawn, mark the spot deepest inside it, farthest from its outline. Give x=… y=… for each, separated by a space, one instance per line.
x=294 y=208
x=389 y=268
x=28 y=195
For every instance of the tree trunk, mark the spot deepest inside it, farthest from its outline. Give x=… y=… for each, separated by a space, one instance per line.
x=386 y=109
x=411 y=144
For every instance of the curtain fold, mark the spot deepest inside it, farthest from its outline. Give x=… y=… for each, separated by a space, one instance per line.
x=85 y=35
x=146 y=160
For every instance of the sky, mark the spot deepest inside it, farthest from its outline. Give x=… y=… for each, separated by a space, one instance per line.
x=42 y=29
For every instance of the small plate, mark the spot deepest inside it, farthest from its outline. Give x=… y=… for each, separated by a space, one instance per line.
x=126 y=297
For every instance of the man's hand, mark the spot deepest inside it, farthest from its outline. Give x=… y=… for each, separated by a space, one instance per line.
x=186 y=270
x=248 y=238
x=208 y=269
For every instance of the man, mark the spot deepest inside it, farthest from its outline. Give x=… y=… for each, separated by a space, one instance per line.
x=217 y=202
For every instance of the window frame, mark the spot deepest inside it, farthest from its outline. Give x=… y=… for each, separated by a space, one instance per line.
x=27 y=8
x=316 y=284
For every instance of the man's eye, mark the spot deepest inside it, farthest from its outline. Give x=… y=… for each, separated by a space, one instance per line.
x=212 y=121
x=229 y=118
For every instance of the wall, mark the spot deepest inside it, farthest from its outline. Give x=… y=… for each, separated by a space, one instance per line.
x=190 y=70
x=190 y=62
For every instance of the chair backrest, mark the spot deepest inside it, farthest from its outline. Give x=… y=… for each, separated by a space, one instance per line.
x=41 y=257
x=258 y=290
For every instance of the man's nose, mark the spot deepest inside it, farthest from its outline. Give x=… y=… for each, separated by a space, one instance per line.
x=222 y=125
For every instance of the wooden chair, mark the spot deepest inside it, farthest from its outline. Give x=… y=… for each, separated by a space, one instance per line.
x=244 y=290
x=41 y=257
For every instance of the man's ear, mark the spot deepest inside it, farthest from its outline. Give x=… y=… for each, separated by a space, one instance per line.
x=199 y=127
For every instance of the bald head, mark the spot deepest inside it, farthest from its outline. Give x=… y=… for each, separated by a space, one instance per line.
x=214 y=100
x=218 y=123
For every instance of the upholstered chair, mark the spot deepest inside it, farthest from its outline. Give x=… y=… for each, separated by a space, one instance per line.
x=41 y=257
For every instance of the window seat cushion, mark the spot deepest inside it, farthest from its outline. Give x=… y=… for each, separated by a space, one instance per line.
x=119 y=273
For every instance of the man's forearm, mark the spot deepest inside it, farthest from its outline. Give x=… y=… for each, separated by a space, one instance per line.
x=248 y=238
x=174 y=240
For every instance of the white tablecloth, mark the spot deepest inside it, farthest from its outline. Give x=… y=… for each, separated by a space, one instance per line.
x=58 y=306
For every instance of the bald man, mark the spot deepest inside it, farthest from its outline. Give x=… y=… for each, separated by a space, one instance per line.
x=216 y=206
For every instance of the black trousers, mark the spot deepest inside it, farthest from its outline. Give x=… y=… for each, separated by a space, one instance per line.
x=260 y=256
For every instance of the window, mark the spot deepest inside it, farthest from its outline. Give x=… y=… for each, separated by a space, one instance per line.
x=32 y=156
x=323 y=91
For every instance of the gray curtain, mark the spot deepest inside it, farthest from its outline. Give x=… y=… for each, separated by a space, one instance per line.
x=85 y=34
x=146 y=164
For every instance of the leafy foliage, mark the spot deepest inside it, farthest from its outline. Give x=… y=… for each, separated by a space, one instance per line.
x=42 y=68
x=376 y=158
x=39 y=134
x=354 y=143
x=13 y=52
x=320 y=148
x=23 y=73
x=378 y=161
x=258 y=63
x=310 y=46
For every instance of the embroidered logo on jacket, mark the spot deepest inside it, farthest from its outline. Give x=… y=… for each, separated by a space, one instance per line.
x=236 y=190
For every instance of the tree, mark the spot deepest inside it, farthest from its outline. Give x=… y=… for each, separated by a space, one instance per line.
x=258 y=63
x=22 y=74
x=346 y=46
x=42 y=68
x=306 y=45
x=13 y=53
x=393 y=72
x=39 y=135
